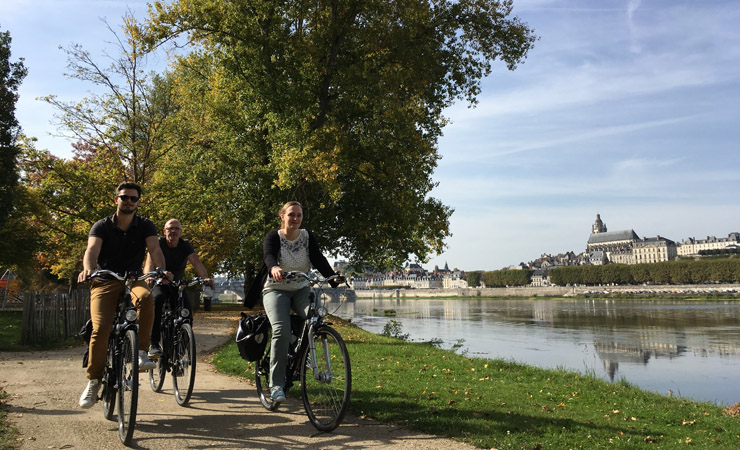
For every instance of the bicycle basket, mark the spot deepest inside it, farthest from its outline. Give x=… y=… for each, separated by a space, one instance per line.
x=251 y=336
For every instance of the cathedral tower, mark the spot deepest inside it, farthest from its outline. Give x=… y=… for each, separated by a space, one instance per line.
x=599 y=226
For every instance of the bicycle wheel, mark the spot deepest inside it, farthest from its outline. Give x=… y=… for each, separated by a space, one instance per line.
x=326 y=392
x=262 y=379
x=183 y=364
x=159 y=373
x=128 y=386
x=109 y=382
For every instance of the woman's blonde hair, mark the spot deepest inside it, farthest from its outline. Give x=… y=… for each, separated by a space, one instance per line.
x=288 y=205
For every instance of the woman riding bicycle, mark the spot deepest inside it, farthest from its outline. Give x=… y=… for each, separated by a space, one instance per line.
x=289 y=248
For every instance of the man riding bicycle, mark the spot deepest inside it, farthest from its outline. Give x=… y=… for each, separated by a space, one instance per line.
x=177 y=252
x=118 y=243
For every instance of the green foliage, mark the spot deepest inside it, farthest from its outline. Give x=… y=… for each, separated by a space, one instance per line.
x=337 y=105
x=8 y=434
x=670 y=272
x=68 y=196
x=393 y=328
x=502 y=278
x=13 y=232
x=10 y=335
x=723 y=252
x=473 y=278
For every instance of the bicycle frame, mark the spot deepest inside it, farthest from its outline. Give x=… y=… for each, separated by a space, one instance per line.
x=178 y=346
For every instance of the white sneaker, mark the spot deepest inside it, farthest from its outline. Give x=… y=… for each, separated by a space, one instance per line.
x=144 y=362
x=90 y=394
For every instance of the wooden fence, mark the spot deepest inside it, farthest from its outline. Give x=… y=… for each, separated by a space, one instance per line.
x=53 y=316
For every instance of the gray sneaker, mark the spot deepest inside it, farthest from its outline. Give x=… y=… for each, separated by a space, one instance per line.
x=90 y=394
x=144 y=362
x=277 y=394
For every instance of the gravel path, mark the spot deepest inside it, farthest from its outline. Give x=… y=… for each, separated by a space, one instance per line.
x=224 y=413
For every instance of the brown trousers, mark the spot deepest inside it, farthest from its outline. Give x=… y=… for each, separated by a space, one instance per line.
x=104 y=297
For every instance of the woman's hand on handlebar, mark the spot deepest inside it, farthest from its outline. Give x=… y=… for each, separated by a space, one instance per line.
x=337 y=279
x=277 y=274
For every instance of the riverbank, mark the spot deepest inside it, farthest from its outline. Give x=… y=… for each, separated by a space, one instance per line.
x=499 y=404
x=668 y=290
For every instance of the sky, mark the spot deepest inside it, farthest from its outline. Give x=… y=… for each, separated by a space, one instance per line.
x=625 y=108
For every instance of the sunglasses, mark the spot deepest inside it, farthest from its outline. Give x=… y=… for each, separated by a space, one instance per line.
x=126 y=198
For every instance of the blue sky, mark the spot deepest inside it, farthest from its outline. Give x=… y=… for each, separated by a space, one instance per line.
x=629 y=109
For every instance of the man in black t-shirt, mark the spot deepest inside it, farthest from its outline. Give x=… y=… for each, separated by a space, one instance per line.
x=118 y=243
x=177 y=252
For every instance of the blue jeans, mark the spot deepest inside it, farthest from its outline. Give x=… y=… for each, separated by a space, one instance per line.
x=277 y=306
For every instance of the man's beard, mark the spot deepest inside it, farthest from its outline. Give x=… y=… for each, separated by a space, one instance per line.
x=128 y=210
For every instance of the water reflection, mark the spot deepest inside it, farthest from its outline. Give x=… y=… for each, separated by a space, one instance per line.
x=690 y=348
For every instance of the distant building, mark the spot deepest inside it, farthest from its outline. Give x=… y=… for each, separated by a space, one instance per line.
x=623 y=257
x=609 y=242
x=653 y=250
x=540 y=278
x=454 y=283
x=626 y=247
x=692 y=246
x=414 y=270
x=597 y=258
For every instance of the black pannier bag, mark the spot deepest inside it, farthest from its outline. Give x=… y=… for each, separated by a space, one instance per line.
x=85 y=334
x=251 y=336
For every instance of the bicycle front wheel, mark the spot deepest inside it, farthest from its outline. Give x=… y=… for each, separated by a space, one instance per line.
x=128 y=386
x=183 y=366
x=326 y=390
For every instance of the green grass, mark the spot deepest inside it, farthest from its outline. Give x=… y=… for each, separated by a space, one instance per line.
x=7 y=433
x=505 y=405
x=10 y=335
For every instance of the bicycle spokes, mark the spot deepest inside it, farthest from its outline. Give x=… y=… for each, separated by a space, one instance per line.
x=326 y=380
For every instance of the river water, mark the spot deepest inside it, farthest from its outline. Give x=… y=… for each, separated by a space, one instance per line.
x=689 y=348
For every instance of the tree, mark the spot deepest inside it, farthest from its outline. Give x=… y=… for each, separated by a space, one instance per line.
x=335 y=104
x=12 y=230
x=128 y=120
x=69 y=196
x=11 y=76
x=473 y=278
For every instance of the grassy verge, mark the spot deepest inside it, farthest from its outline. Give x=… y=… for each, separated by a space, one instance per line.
x=7 y=433
x=10 y=335
x=504 y=405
